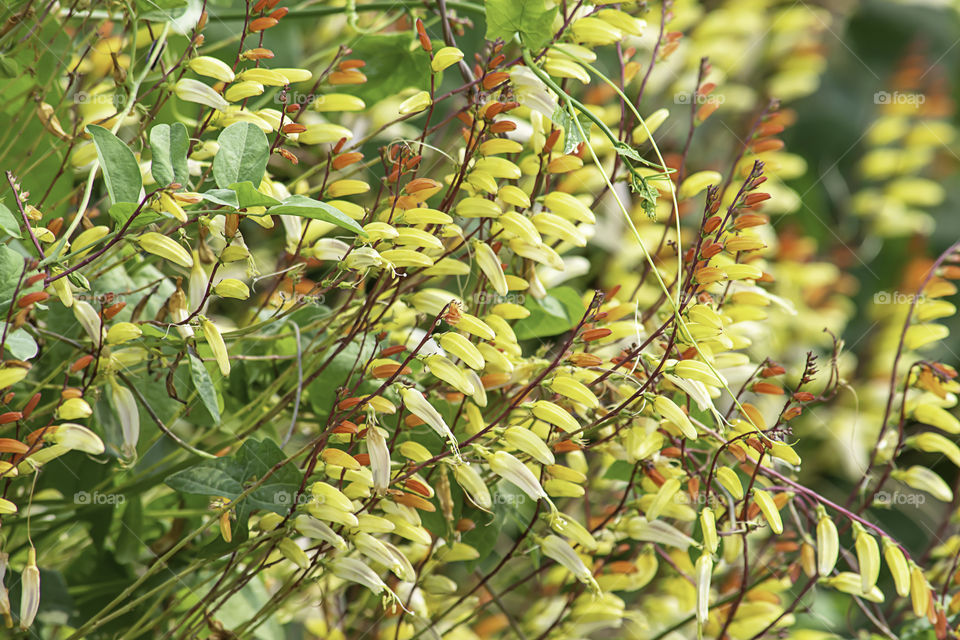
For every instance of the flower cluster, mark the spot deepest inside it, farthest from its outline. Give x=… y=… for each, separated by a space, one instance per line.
x=443 y=333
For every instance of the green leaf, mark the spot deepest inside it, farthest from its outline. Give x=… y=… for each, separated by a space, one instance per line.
x=244 y=151
x=226 y=197
x=204 y=386
x=309 y=208
x=322 y=392
x=121 y=212
x=169 y=144
x=21 y=345
x=11 y=266
x=529 y=18
x=129 y=543
x=248 y=196
x=571 y=134
x=395 y=61
x=231 y=476
x=120 y=169
x=8 y=223
x=560 y=310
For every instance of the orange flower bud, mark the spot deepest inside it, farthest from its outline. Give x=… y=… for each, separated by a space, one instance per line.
x=261 y=24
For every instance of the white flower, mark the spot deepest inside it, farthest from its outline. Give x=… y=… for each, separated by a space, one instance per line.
x=530 y=91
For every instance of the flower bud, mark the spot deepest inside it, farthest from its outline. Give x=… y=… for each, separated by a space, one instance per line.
x=29 y=591
x=215 y=340
x=123 y=332
x=74 y=409
x=445 y=57
x=529 y=443
x=212 y=68
x=165 y=247
x=769 y=510
x=232 y=288
x=557 y=549
x=415 y=103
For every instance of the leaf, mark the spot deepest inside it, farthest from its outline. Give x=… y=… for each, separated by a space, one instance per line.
x=529 y=18
x=571 y=134
x=129 y=543
x=314 y=209
x=204 y=386
x=169 y=144
x=243 y=155
x=648 y=194
x=392 y=66
x=21 y=345
x=121 y=212
x=226 y=197
x=248 y=196
x=560 y=310
x=322 y=392
x=231 y=476
x=120 y=169
x=8 y=223
x=11 y=266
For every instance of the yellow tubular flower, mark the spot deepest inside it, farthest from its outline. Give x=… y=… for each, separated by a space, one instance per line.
x=704 y=571
x=529 y=443
x=555 y=415
x=489 y=264
x=675 y=415
x=266 y=77
x=219 y=348
x=868 y=557
x=828 y=544
x=473 y=485
x=461 y=347
x=728 y=480
x=708 y=524
x=165 y=247
x=212 y=68
x=769 y=510
x=899 y=569
x=662 y=498
x=240 y=91
x=919 y=591
x=445 y=57
x=557 y=549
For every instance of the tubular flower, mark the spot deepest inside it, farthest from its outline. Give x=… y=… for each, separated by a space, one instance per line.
x=704 y=571
x=217 y=345
x=418 y=405
x=708 y=525
x=516 y=473
x=529 y=443
x=769 y=509
x=445 y=57
x=195 y=91
x=899 y=569
x=126 y=406
x=490 y=266
x=557 y=549
x=868 y=557
x=473 y=485
x=167 y=248
x=828 y=544
x=29 y=591
x=212 y=68
x=379 y=457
